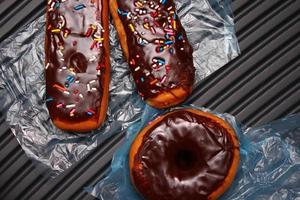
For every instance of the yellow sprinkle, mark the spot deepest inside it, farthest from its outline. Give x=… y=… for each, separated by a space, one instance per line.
x=174 y=24
x=55 y=30
x=94 y=27
x=139 y=4
x=99 y=39
x=131 y=27
x=146 y=26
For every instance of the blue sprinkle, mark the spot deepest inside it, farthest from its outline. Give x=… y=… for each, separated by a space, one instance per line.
x=49 y=99
x=79 y=7
x=163 y=1
x=180 y=37
x=168 y=42
x=174 y=16
x=171 y=50
x=70 y=79
x=119 y=11
x=67 y=85
x=89 y=113
x=142 y=79
x=167 y=36
x=160 y=60
x=57 y=5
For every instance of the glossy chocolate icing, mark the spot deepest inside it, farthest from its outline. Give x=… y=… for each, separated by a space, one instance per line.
x=183 y=157
x=75 y=59
x=160 y=57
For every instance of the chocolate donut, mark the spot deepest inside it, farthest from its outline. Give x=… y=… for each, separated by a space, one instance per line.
x=156 y=48
x=184 y=155
x=77 y=63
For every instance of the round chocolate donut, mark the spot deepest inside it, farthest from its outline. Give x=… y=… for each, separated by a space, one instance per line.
x=184 y=155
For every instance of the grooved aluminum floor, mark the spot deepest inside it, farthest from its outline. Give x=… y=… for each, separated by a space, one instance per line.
x=259 y=86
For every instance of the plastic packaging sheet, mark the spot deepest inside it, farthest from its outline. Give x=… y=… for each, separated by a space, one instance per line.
x=269 y=162
x=210 y=30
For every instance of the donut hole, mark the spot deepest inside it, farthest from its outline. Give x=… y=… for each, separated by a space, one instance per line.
x=185 y=159
x=79 y=62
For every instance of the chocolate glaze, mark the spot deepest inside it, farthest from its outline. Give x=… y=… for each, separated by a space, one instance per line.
x=183 y=157
x=75 y=58
x=146 y=24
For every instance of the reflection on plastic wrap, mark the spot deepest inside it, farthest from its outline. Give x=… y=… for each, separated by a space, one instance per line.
x=269 y=166
x=22 y=83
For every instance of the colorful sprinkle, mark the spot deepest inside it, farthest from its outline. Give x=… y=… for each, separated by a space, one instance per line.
x=79 y=7
x=59 y=105
x=137 y=68
x=47 y=66
x=59 y=87
x=55 y=30
x=153 y=82
x=71 y=106
x=67 y=92
x=72 y=112
x=49 y=99
x=92 y=81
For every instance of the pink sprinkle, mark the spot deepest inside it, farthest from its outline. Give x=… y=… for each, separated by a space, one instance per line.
x=59 y=105
x=163 y=79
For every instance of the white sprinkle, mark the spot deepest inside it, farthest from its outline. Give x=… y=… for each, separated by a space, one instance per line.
x=170 y=8
x=94 y=89
x=60 y=53
x=64 y=67
x=81 y=96
x=60 y=70
x=145 y=41
x=93 y=58
x=70 y=106
x=88 y=87
x=67 y=92
x=48 y=64
x=77 y=81
x=147 y=73
x=62 y=59
x=92 y=81
x=99 y=72
x=181 y=48
x=73 y=73
x=137 y=68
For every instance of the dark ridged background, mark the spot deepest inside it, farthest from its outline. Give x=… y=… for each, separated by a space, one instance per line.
x=259 y=86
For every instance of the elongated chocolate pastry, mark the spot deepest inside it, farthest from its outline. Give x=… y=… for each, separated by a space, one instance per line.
x=156 y=47
x=77 y=63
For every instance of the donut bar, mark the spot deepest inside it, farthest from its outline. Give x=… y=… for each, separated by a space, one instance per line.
x=184 y=155
x=77 y=63
x=156 y=48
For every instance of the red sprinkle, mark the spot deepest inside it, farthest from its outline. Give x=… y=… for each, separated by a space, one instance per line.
x=93 y=45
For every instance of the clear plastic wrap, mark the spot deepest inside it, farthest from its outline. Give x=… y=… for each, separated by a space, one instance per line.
x=269 y=162
x=210 y=29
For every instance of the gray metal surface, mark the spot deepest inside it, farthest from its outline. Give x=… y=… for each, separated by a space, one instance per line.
x=259 y=86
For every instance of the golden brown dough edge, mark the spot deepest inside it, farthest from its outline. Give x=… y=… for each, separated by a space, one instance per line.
x=166 y=99
x=236 y=155
x=92 y=124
